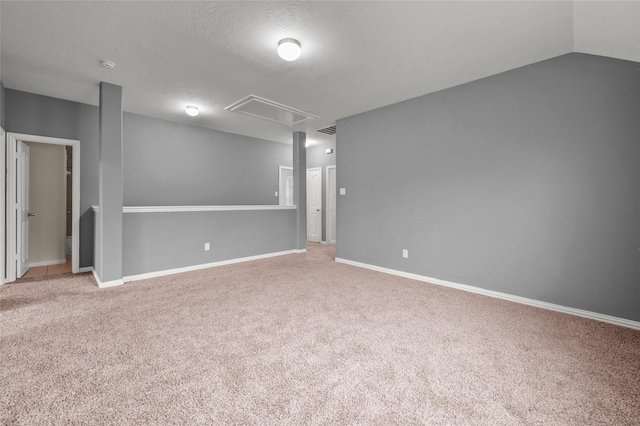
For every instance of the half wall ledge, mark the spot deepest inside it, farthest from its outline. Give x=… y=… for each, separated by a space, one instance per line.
x=179 y=209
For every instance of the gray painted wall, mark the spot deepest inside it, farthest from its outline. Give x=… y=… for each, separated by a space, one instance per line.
x=525 y=183
x=167 y=163
x=208 y=163
x=317 y=157
x=45 y=116
x=160 y=241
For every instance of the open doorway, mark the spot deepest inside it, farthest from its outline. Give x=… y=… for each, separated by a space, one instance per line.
x=51 y=154
x=49 y=193
x=285 y=186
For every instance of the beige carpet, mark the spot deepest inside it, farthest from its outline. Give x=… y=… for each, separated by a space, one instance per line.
x=299 y=340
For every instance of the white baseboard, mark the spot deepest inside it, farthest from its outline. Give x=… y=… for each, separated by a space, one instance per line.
x=106 y=284
x=499 y=295
x=206 y=265
x=85 y=269
x=47 y=263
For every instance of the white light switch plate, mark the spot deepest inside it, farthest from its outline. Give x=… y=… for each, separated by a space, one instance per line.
x=343 y=191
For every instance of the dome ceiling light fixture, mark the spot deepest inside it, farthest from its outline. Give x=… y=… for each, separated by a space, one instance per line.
x=192 y=110
x=289 y=49
x=107 y=64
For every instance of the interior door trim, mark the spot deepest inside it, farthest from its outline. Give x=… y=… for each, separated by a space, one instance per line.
x=10 y=203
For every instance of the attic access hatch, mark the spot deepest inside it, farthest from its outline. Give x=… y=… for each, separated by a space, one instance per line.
x=270 y=110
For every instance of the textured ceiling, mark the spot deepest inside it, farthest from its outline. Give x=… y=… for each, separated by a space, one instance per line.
x=357 y=56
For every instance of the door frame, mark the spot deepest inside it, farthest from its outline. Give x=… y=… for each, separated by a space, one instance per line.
x=327 y=196
x=319 y=169
x=280 y=170
x=11 y=156
x=23 y=153
x=2 y=204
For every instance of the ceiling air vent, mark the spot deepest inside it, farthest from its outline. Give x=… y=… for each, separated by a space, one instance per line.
x=270 y=110
x=331 y=130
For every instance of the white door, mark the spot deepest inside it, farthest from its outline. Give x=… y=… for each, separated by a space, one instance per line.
x=3 y=148
x=314 y=204
x=22 y=209
x=285 y=179
x=331 y=204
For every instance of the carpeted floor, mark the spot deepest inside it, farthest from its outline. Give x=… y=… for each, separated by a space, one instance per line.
x=298 y=340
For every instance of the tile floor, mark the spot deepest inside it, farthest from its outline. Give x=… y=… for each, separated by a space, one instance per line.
x=41 y=271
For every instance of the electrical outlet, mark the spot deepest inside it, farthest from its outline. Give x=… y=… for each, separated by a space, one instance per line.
x=405 y=253
x=276 y=193
x=207 y=246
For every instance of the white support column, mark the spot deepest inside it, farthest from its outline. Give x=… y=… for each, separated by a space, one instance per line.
x=111 y=191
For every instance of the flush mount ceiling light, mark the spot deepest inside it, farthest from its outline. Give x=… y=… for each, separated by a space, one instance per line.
x=192 y=110
x=107 y=64
x=289 y=49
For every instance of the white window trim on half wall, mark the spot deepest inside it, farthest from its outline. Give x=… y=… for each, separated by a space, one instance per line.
x=10 y=204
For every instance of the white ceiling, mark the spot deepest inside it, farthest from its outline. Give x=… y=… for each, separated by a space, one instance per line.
x=357 y=56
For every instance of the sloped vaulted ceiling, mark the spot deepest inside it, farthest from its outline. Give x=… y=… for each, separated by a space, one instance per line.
x=357 y=56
